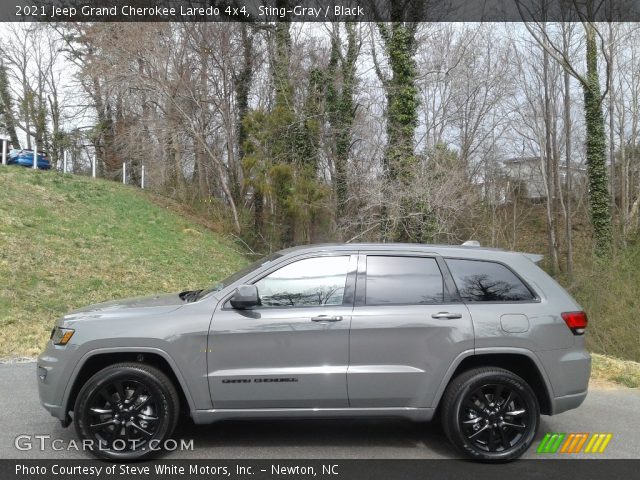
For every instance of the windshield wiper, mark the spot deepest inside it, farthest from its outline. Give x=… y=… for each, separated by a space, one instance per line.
x=189 y=295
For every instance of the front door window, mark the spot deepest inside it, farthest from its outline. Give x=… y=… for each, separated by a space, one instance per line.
x=310 y=282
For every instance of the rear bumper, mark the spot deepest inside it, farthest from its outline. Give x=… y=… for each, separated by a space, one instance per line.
x=568 y=402
x=568 y=372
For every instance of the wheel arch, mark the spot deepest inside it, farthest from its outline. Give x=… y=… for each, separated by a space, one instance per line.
x=522 y=362
x=96 y=360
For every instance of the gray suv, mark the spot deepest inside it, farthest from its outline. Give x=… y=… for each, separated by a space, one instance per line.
x=481 y=338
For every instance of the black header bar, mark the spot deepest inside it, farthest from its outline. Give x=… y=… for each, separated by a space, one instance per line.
x=319 y=10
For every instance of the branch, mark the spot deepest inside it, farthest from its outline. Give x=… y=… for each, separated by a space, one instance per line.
x=607 y=59
x=546 y=43
x=383 y=78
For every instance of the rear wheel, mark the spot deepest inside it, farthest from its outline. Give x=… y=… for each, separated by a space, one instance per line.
x=126 y=411
x=490 y=414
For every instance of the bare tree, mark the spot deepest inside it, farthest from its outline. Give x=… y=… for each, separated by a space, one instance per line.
x=594 y=119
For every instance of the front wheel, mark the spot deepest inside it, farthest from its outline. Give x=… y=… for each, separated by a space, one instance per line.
x=490 y=414
x=126 y=411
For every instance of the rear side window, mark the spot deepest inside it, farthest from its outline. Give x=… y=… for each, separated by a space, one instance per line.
x=480 y=281
x=403 y=280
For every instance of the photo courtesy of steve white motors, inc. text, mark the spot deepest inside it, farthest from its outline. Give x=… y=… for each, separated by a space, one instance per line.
x=164 y=469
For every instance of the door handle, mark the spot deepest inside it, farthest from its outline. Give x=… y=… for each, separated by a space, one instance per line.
x=326 y=318
x=446 y=315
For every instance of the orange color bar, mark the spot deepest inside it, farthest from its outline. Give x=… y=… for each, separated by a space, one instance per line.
x=567 y=443
x=581 y=443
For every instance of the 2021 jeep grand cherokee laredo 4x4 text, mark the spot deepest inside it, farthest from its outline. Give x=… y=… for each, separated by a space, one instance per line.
x=483 y=337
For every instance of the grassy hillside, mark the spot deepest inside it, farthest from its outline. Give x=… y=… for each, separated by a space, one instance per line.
x=68 y=241
x=609 y=291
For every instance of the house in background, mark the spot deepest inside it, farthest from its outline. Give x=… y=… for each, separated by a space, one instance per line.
x=527 y=177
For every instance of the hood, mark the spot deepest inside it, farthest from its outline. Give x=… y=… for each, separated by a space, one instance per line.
x=138 y=306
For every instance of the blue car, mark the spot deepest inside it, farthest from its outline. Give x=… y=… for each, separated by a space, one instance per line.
x=25 y=159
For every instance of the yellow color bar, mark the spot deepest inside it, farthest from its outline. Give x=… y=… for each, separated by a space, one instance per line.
x=599 y=437
x=607 y=439
x=591 y=442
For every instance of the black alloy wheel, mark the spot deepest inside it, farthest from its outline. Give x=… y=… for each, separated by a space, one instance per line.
x=126 y=411
x=494 y=418
x=490 y=414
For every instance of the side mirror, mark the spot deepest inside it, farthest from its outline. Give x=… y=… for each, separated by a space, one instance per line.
x=245 y=296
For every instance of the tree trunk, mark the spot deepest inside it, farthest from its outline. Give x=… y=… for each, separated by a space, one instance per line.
x=568 y=169
x=243 y=86
x=612 y=148
x=6 y=104
x=402 y=119
x=549 y=165
x=342 y=110
x=596 y=149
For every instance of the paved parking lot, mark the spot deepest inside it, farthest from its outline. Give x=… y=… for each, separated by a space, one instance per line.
x=606 y=409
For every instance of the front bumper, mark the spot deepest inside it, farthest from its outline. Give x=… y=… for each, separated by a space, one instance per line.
x=53 y=371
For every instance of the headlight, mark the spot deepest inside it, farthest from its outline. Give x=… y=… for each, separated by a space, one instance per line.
x=61 y=336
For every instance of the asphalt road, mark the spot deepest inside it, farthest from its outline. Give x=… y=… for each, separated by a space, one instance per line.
x=606 y=409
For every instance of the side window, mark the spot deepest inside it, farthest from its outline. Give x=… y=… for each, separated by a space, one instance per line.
x=403 y=280
x=308 y=282
x=480 y=281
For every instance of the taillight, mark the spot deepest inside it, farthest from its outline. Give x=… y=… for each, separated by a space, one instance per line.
x=576 y=321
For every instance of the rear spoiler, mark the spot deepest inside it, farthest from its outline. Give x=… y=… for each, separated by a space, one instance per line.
x=534 y=257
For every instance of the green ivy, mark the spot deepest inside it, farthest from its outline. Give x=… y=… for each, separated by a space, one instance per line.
x=596 y=151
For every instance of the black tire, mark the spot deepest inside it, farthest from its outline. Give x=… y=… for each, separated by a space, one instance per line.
x=135 y=408
x=476 y=409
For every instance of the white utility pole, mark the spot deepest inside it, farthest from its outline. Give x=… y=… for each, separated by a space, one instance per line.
x=64 y=162
x=124 y=173
x=35 y=154
x=4 y=151
x=93 y=166
x=142 y=181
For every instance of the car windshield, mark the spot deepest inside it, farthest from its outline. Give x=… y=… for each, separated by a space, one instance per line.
x=239 y=274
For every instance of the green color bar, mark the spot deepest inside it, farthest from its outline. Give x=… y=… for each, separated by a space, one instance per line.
x=543 y=443
x=550 y=443
x=558 y=442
